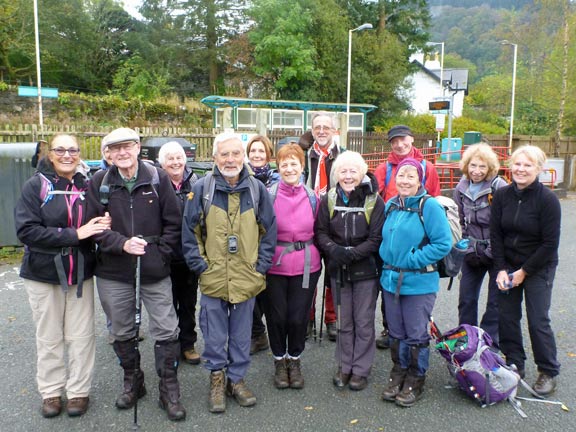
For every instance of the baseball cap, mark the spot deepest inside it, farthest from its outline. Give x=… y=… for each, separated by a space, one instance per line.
x=399 y=131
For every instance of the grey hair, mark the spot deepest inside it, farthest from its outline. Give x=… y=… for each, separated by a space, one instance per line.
x=345 y=158
x=223 y=137
x=324 y=114
x=171 y=147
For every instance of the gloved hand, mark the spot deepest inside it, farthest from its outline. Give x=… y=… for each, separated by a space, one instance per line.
x=341 y=255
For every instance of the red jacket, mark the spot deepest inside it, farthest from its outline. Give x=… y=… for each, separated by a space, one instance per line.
x=432 y=183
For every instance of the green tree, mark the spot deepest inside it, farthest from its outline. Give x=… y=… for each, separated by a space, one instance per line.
x=16 y=40
x=136 y=80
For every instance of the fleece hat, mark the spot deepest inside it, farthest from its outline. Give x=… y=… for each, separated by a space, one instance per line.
x=399 y=131
x=119 y=135
x=413 y=163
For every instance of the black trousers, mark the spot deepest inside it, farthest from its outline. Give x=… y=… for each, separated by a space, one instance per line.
x=287 y=306
x=258 y=326
x=185 y=295
x=537 y=291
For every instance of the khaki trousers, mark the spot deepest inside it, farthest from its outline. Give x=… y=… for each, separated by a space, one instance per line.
x=63 y=319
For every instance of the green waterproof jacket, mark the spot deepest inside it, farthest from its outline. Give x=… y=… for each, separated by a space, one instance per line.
x=206 y=239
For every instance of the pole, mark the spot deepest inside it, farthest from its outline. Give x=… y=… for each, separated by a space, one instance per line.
x=38 y=70
x=137 y=321
x=338 y=293
x=513 y=98
x=366 y=26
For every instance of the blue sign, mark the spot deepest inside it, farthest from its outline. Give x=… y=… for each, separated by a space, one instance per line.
x=47 y=92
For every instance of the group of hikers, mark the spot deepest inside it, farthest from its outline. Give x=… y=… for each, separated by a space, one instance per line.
x=254 y=240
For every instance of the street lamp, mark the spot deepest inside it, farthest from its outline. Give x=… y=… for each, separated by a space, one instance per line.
x=38 y=71
x=366 y=26
x=441 y=64
x=515 y=46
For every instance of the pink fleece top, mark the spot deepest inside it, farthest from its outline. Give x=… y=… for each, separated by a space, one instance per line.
x=295 y=222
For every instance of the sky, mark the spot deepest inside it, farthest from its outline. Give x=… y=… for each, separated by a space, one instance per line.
x=132 y=6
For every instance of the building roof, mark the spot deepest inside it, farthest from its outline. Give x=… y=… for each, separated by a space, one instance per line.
x=455 y=79
x=214 y=101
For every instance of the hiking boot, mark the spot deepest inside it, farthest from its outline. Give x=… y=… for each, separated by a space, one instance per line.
x=383 y=341
x=217 y=402
x=411 y=391
x=191 y=356
x=331 y=331
x=77 y=406
x=281 y=380
x=259 y=343
x=358 y=382
x=395 y=382
x=133 y=388
x=340 y=379
x=166 y=355
x=51 y=407
x=545 y=384
x=294 y=373
x=241 y=393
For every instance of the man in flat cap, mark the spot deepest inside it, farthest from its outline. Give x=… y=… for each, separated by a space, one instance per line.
x=401 y=139
x=146 y=223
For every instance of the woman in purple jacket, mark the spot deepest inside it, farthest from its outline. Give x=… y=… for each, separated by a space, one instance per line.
x=295 y=268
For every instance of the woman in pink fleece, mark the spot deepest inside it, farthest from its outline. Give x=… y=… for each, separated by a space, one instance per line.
x=295 y=268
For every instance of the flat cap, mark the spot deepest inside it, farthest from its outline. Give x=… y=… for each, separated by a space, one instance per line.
x=399 y=131
x=120 y=135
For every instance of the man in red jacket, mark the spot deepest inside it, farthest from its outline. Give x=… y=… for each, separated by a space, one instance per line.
x=401 y=139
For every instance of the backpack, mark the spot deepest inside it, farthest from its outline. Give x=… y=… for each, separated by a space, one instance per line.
x=47 y=191
x=209 y=186
x=369 y=203
x=273 y=190
x=480 y=371
x=104 y=189
x=450 y=265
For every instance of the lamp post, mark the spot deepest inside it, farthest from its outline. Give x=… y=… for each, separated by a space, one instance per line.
x=365 y=26
x=441 y=64
x=515 y=46
x=441 y=78
x=38 y=70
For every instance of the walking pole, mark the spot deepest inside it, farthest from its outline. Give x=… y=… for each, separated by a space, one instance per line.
x=321 y=314
x=338 y=294
x=137 y=321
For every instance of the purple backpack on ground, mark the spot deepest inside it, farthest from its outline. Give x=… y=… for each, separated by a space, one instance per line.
x=480 y=371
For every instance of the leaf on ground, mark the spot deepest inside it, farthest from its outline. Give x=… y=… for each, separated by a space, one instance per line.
x=354 y=421
x=11 y=318
x=565 y=408
x=571 y=354
x=308 y=408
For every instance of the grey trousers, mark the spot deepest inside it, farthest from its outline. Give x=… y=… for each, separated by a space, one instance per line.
x=118 y=300
x=355 y=348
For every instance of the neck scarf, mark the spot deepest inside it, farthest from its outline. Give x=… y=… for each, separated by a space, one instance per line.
x=321 y=181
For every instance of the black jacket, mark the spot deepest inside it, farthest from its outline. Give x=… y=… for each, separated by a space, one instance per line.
x=352 y=229
x=47 y=227
x=151 y=211
x=525 y=228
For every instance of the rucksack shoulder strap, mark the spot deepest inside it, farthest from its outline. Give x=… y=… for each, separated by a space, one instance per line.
x=208 y=188
x=254 y=187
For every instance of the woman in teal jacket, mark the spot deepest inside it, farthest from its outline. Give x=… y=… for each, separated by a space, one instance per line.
x=413 y=240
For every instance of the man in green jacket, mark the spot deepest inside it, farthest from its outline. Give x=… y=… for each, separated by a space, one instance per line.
x=228 y=240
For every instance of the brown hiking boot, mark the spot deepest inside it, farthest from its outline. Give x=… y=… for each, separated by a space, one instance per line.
x=191 y=356
x=133 y=388
x=411 y=391
x=545 y=384
x=77 y=407
x=281 y=380
x=51 y=407
x=395 y=382
x=383 y=341
x=259 y=343
x=241 y=393
x=217 y=402
x=295 y=373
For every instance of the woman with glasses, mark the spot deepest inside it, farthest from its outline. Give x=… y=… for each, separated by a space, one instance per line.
x=172 y=159
x=57 y=271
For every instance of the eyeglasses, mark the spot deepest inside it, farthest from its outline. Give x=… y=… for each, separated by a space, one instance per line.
x=127 y=146
x=321 y=128
x=61 y=151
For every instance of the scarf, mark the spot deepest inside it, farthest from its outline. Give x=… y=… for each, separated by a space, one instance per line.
x=321 y=181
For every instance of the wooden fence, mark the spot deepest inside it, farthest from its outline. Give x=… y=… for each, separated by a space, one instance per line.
x=367 y=143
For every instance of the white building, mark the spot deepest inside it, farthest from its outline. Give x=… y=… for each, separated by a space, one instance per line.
x=424 y=85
